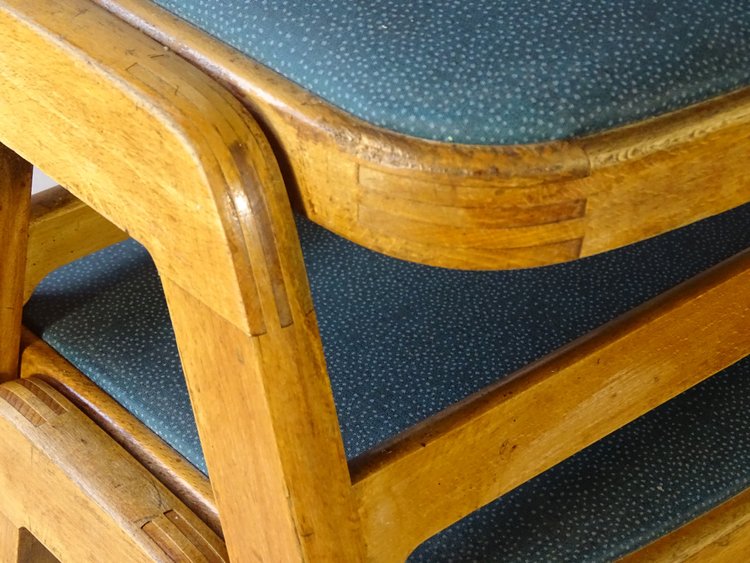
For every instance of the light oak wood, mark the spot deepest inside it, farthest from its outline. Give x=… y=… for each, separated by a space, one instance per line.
x=15 y=191
x=289 y=428
x=516 y=205
x=468 y=455
x=183 y=168
x=722 y=529
x=185 y=481
x=168 y=156
x=81 y=494
x=721 y=536
x=62 y=229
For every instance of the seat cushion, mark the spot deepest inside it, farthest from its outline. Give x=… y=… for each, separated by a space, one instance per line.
x=402 y=341
x=492 y=71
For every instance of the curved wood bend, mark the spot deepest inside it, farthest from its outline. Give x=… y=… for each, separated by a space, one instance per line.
x=98 y=502
x=481 y=207
x=171 y=158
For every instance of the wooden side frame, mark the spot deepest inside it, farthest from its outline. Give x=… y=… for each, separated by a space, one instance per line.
x=15 y=194
x=719 y=535
x=447 y=466
x=451 y=464
x=473 y=206
x=199 y=165
x=172 y=159
x=40 y=361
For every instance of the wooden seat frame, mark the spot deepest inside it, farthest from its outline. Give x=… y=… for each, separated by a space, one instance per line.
x=151 y=142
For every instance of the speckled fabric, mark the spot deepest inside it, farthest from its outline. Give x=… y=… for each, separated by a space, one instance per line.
x=402 y=341
x=639 y=483
x=492 y=71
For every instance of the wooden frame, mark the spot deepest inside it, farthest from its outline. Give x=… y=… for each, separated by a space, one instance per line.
x=87 y=483
x=426 y=465
x=158 y=147
x=480 y=207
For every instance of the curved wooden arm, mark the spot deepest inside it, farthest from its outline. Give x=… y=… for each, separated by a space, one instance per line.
x=150 y=143
x=170 y=157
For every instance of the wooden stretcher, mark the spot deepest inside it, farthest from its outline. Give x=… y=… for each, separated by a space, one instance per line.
x=130 y=109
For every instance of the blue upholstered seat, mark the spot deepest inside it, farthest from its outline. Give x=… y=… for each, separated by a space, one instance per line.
x=492 y=71
x=403 y=341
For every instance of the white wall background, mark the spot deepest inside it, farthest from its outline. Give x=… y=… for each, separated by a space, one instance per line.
x=41 y=181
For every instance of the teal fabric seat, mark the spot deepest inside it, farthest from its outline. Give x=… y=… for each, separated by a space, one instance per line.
x=391 y=364
x=492 y=71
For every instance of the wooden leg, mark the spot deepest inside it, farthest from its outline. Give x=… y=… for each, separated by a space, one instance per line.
x=270 y=436
x=15 y=193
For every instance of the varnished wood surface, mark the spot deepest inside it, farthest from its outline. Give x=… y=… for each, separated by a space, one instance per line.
x=61 y=230
x=178 y=475
x=15 y=191
x=171 y=158
x=9 y=541
x=481 y=207
x=722 y=532
x=80 y=494
x=719 y=536
x=468 y=455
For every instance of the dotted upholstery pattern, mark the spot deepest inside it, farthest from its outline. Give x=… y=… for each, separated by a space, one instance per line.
x=402 y=341
x=645 y=480
x=492 y=71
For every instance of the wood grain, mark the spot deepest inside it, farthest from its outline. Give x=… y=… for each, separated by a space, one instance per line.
x=288 y=428
x=185 y=481
x=15 y=191
x=62 y=229
x=9 y=540
x=171 y=158
x=165 y=153
x=468 y=455
x=676 y=169
x=20 y=546
x=75 y=478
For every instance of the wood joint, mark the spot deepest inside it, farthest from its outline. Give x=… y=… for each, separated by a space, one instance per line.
x=180 y=541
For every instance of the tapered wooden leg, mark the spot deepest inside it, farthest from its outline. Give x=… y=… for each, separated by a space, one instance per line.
x=15 y=194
